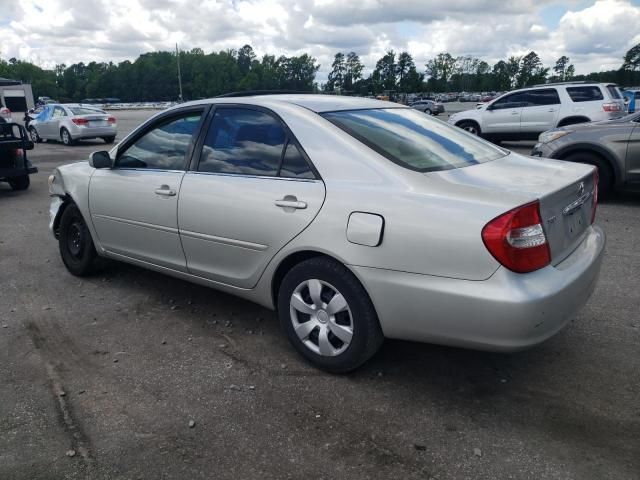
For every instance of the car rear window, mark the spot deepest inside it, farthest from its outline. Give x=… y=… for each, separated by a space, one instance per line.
x=85 y=111
x=614 y=92
x=414 y=140
x=585 y=94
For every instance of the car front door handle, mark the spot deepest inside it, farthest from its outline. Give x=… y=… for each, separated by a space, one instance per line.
x=515 y=113
x=165 y=191
x=291 y=202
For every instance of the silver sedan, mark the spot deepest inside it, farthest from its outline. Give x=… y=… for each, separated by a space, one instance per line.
x=71 y=122
x=355 y=219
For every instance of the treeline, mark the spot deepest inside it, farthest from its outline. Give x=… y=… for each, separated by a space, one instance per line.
x=153 y=76
x=446 y=73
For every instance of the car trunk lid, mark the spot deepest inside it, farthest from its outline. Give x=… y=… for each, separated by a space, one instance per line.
x=565 y=191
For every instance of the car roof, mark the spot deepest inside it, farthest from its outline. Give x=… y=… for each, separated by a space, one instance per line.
x=315 y=102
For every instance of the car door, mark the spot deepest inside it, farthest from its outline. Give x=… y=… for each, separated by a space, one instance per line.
x=134 y=205
x=633 y=153
x=43 y=126
x=250 y=192
x=541 y=111
x=53 y=125
x=503 y=115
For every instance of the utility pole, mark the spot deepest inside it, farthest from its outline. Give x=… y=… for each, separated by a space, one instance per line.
x=179 y=74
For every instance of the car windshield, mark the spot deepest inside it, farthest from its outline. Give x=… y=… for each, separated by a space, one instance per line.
x=415 y=140
x=84 y=111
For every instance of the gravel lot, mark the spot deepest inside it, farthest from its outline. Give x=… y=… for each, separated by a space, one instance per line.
x=100 y=378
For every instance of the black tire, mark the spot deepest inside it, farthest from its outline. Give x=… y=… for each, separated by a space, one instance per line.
x=471 y=127
x=75 y=243
x=66 y=137
x=20 y=183
x=361 y=316
x=109 y=139
x=428 y=112
x=33 y=133
x=605 y=172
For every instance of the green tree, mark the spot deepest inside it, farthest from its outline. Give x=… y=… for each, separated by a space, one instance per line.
x=440 y=70
x=563 y=69
x=336 y=77
x=632 y=59
x=531 y=70
x=386 y=71
x=353 y=70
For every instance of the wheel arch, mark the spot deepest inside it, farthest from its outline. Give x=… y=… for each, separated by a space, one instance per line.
x=572 y=120
x=66 y=201
x=293 y=259
x=592 y=149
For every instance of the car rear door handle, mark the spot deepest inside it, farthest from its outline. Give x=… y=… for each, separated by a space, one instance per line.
x=291 y=202
x=515 y=113
x=552 y=110
x=165 y=191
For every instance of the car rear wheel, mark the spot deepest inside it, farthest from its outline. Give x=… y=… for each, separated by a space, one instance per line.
x=428 y=111
x=328 y=316
x=33 y=133
x=109 y=139
x=75 y=243
x=66 y=137
x=20 y=183
x=605 y=174
x=471 y=127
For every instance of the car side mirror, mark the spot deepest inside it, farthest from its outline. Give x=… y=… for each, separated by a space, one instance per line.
x=100 y=159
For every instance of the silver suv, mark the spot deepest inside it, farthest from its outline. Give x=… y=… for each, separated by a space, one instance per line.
x=524 y=114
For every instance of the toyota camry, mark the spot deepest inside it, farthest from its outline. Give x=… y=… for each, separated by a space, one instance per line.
x=355 y=219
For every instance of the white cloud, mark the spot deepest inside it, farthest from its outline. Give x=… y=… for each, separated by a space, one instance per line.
x=49 y=32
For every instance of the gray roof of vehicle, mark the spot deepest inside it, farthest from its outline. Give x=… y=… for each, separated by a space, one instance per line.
x=314 y=102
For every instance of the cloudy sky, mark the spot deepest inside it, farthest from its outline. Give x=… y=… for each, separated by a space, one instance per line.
x=595 y=34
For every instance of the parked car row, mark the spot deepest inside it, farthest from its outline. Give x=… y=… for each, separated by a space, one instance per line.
x=581 y=122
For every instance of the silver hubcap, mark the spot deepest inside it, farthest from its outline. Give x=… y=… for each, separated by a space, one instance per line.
x=471 y=129
x=321 y=317
x=34 y=135
x=65 y=136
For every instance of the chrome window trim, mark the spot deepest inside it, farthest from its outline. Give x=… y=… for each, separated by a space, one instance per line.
x=261 y=177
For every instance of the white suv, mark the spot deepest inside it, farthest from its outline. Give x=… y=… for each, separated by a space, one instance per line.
x=524 y=114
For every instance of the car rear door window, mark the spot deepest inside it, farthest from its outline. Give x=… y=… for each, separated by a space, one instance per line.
x=547 y=96
x=59 y=112
x=243 y=141
x=585 y=94
x=164 y=147
x=294 y=164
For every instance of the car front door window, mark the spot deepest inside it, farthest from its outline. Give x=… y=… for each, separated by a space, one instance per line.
x=164 y=147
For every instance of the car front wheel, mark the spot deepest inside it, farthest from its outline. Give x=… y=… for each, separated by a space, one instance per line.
x=328 y=316
x=33 y=133
x=471 y=127
x=75 y=243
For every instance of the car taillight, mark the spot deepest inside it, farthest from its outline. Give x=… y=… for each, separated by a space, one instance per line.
x=612 y=107
x=516 y=239
x=80 y=121
x=594 y=202
x=111 y=119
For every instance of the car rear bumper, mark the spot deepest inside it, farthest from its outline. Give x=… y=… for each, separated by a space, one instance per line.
x=93 y=132
x=507 y=312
